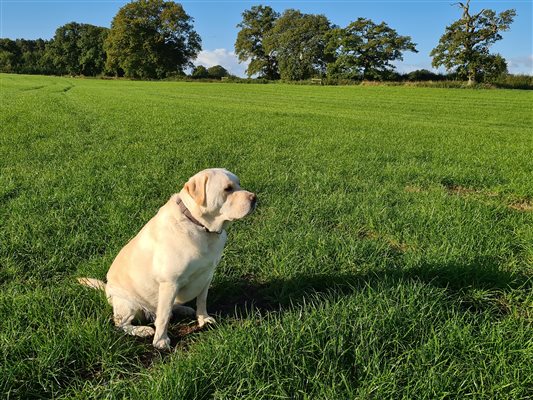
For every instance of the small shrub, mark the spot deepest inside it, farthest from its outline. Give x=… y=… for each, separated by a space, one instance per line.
x=200 y=72
x=217 y=72
x=424 y=75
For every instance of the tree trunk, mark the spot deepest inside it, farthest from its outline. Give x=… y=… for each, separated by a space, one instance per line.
x=471 y=78
x=470 y=29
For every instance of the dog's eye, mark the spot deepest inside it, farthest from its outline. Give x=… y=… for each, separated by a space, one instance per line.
x=229 y=189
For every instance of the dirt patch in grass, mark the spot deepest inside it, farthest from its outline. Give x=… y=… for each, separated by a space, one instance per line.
x=460 y=190
x=500 y=303
x=483 y=195
x=394 y=244
x=522 y=205
x=365 y=233
x=413 y=189
x=400 y=247
x=487 y=195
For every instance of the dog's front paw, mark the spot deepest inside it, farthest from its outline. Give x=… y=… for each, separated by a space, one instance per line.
x=143 y=331
x=205 y=319
x=162 y=343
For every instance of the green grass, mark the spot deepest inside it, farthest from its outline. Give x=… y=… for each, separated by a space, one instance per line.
x=391 y=255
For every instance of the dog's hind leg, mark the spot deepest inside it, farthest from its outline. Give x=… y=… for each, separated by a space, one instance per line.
x=124 y=313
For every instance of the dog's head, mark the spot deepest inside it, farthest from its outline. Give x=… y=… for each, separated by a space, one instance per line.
x=217 y=198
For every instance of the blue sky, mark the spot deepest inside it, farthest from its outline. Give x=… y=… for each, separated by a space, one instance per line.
x=216 y=22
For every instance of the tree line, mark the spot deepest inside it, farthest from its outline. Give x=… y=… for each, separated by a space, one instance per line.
x=155 y=39
x=148 y=39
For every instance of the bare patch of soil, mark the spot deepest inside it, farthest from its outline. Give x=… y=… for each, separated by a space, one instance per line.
x=413 y=189
x=395 y=244
x=522 y=205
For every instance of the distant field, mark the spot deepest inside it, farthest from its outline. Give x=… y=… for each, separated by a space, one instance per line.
x=391 y=255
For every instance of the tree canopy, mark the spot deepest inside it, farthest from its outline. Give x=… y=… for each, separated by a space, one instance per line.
x=255 y=26
x=298 y=42
x=77 y=49
x=464 y=47
x=296 y=46
x=151 y=39
x=365 y=50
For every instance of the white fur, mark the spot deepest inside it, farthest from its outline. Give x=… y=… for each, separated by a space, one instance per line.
x=171 y=260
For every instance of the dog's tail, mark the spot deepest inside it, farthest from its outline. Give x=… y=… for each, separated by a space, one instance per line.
x=92 y=283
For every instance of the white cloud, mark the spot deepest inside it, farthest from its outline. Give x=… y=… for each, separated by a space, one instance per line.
x=515 y=65
x=404 y=68
x=520 y=65
x=228 y=59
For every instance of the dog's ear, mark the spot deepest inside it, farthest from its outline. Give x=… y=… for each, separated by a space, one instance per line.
x=196 y=189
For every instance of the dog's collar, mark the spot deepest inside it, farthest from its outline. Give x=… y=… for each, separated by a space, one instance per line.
x=185 y=211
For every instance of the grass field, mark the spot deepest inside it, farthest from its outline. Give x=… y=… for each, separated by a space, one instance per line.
x=391 y=255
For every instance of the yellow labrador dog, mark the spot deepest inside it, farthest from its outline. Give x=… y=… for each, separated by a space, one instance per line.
x=172 y=259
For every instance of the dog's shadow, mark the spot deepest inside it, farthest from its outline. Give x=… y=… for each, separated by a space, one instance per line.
x=238 y=298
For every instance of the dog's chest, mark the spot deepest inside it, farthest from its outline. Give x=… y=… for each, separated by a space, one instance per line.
x=194 y=271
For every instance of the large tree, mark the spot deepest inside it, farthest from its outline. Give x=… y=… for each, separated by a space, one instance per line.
x=151 y=39
x=298 y=42
x=92 y=54
x=365 y=50
x=78 y=49
x=256 y=24
x=464 y=47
